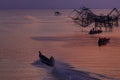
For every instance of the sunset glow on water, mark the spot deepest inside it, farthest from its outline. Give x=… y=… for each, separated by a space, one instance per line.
x=24 y=32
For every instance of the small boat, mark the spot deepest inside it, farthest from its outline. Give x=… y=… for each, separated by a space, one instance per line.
x=57 y=13
x=48 y=61
x=103 y=41
x=93 y=31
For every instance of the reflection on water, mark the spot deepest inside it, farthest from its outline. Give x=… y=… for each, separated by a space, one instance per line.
x=24 y=33
x=77 y=40
x=69 y=40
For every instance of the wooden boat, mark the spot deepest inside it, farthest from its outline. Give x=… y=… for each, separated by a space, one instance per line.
x=95 y=31
x=48 y=61
x=103 y=41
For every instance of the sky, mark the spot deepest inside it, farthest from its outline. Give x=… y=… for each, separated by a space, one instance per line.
x=57 y=4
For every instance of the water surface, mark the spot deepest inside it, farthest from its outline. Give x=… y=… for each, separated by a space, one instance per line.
x=24 y=32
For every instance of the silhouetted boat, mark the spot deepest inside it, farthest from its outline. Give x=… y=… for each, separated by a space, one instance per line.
x=93 y=31
x=48 y=61
x=103 y=41
x=57 y=13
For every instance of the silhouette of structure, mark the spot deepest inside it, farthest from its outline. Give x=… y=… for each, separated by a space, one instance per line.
x=84 y=17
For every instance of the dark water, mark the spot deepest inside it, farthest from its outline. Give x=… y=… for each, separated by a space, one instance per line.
x=24 y=32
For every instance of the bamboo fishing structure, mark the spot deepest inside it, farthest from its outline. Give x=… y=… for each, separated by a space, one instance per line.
x=85 y=17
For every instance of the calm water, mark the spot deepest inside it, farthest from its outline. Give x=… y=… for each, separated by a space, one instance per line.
x=24 y=32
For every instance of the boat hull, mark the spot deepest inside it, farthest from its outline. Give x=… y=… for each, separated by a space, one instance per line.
x=48 y=61
x=103 y=41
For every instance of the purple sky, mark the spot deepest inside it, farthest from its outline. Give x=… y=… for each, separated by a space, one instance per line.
x=41 y=4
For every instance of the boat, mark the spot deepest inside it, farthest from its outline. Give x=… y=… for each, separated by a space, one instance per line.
x=48 y=61
x=57 y=13
x=93 y=31
x=103 y=41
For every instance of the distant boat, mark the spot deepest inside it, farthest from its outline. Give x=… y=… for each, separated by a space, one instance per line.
x=103 y=41
x=48 y=61
x=93 y=31
x=57 y=13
